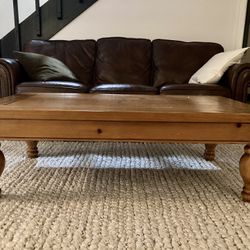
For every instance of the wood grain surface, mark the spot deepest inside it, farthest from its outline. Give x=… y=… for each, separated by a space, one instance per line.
x=114 y=107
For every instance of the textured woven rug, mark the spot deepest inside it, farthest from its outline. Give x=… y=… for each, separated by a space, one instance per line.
x=122 y=196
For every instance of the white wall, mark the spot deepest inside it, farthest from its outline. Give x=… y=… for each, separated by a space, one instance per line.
x=26 y=8
x=6 y=17
x=219 y=21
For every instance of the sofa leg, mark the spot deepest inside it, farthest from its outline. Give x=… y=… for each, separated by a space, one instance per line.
x=32 y=150
x=209 y=153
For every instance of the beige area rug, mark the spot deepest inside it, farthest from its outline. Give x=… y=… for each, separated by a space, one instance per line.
x=122 y=196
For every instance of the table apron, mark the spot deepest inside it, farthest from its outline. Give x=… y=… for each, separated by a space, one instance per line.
x=129 y=131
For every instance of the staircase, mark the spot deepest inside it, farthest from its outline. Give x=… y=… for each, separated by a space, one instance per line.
x=45 y=22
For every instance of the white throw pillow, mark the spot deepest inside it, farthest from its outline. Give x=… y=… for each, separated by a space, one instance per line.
x=213 y=70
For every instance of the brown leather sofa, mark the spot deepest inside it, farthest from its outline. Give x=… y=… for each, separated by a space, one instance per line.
x=127 y=65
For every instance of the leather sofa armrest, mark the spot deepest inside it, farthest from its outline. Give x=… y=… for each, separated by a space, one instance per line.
x=11 y=73
x=237 y=78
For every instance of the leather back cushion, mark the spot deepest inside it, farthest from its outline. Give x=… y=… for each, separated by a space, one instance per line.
x=174 y=62
x=123 y=60
x=78 y=55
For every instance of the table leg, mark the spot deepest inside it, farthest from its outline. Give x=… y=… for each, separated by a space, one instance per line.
x=32 y=150
x=2 y=164
x=245 y=173
x=209 y=153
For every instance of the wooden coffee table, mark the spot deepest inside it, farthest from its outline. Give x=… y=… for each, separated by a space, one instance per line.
x=79 y=117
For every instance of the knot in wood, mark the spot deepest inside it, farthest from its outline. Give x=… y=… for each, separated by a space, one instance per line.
x=99 y=131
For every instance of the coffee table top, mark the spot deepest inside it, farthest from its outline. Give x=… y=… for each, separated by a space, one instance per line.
x=118 y=107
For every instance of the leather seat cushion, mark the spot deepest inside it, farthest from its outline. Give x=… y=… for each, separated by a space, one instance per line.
x=77 y=55
x=123 y=60
x=51 y=87
x=195 y=89
x=124 y=89
x=177 y=61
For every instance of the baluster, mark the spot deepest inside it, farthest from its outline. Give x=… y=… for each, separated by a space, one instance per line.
x=59 y=9
x=246 y=38
x=38 y=19
x=17 y=26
